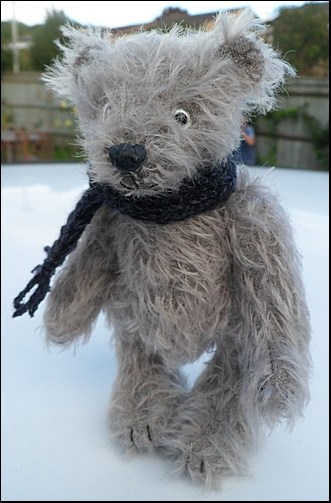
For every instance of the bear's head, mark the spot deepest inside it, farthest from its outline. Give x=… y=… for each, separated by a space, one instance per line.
x=155 y=108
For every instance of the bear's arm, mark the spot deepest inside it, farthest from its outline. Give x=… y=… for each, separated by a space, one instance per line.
x=82 y=286
x=270 y=316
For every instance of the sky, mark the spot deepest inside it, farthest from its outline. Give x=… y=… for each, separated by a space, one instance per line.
x=121 y=13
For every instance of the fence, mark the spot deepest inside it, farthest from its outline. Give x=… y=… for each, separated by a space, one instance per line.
x=297 y=134
x=35 y=125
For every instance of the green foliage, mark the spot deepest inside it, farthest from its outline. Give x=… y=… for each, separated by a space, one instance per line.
x=65 y=152
x=25 y=60
x=7 y=117
x=301 y=34
x=6 y=60
x=43 y=49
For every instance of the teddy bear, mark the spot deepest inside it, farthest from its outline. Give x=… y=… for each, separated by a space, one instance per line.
x=186 y=253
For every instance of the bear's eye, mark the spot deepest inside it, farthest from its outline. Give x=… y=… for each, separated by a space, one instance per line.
x=182 y=117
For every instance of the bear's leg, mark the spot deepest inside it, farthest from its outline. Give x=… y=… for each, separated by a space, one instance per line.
x=145 y=394
x=212 y=432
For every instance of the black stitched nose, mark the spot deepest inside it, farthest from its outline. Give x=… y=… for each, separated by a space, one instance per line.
x=127 y=157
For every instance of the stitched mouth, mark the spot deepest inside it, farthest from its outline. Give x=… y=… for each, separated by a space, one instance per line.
x=130 y=181
x=133 y=181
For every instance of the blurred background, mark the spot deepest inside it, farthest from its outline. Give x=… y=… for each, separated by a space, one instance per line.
x=37 y=127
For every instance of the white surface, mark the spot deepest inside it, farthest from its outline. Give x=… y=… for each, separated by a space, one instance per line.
x=55 y=444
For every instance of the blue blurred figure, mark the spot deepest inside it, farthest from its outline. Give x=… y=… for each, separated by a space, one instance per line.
x=246 y=152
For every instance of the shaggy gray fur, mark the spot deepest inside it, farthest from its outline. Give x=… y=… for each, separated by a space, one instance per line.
x=227 y=281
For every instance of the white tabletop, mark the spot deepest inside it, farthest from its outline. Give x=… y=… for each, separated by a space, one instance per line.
x=55 y=443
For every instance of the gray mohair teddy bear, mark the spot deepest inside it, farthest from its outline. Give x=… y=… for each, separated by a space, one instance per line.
x=182 y=251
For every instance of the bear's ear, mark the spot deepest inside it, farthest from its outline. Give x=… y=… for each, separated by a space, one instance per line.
x=75 y=74
x=247 y=57
x=253 y=67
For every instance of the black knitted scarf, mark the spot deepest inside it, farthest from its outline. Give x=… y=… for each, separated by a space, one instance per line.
x=207 y=191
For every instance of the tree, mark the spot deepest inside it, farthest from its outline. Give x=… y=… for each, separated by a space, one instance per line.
x=302 y=36
x=43 y=49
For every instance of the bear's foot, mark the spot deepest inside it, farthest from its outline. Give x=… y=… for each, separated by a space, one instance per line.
x=208 y=460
